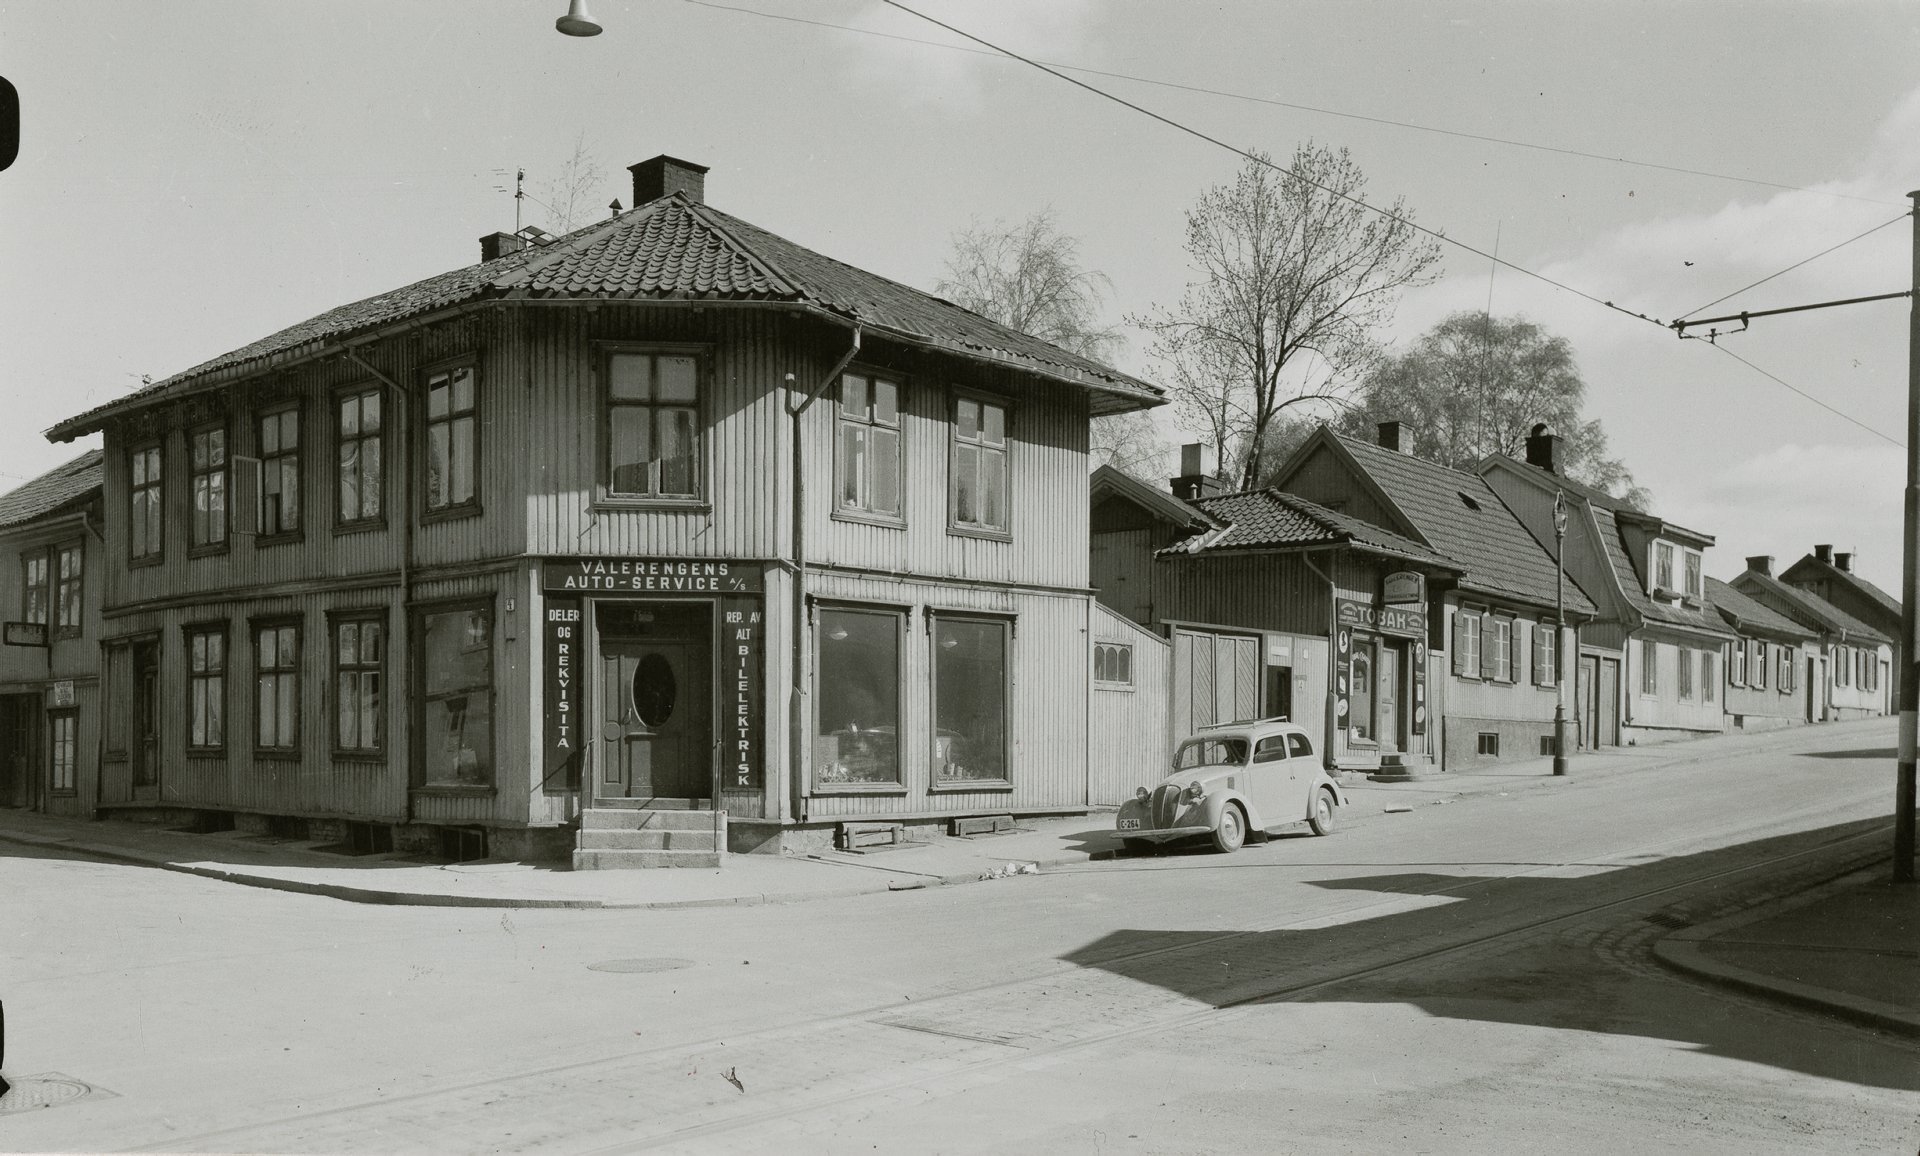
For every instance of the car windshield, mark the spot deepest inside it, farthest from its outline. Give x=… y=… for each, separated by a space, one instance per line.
x=1227 y=752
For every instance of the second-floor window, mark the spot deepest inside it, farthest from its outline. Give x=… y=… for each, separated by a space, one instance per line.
x=979 y=465
x=208 y=461
x=1662 y=566
x=34 y=592
x=277 y=687
x=145 y=523
x=358 y=436
x=867 y=467
x=67 y=579
x=452 y=439
x=280 y=473
x=1693 y=575
x=653 y=409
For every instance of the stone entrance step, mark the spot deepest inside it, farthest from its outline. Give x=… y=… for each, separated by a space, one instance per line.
x=613 y=838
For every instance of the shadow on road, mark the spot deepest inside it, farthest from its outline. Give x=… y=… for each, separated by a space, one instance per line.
x=1888 y=753
x=1534 y=950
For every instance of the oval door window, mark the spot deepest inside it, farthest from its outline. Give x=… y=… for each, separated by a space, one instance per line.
x=654 y=690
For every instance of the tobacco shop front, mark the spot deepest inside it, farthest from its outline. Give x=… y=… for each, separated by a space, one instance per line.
x=1380 y=676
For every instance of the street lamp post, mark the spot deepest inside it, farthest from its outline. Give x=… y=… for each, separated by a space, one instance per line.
x=1559 y=632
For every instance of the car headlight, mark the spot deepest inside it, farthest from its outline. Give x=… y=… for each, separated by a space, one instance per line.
x=1193 y=793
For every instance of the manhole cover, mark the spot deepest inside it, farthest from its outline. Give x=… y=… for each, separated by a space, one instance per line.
x=638 y=965
x=49 y=1090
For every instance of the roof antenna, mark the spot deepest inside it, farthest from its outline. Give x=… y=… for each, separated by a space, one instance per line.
x=519 y=195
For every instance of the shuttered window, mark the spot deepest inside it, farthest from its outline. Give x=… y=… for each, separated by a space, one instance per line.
x=1737 y=663
x=1708 y=676
x=1546 y=647
x=1499 y=648
x=1757 y=666
x=1466 y=643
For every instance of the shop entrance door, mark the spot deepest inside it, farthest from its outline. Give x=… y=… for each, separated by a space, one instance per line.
x=1389 y=697
x=656 y=733
x=146 y=721
x=1607 y=728
x=19 y=730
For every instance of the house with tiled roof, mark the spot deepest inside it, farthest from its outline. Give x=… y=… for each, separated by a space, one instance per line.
x=1850 y=670
x=50 y=575
x=1647 y=576
x=1768 y=665
x=660 y=538
x=1490 y=656
x=1830 y=575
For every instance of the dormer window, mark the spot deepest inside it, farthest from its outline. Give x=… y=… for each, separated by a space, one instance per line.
x=1693 y=590
x=1662 y=566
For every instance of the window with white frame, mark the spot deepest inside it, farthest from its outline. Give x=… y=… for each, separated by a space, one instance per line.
x=1757 y=669
x=63 y=752
x=1546 y=647
x=1709 y=676
x=1694 y=589
x=1466 y=643
x=1683 y=668
x=1649 y=666
x=1842 y=666
x=867 y=463
x=979 y=465
x=1662 y=566
x=1737 y=662
x=1500 y=647
x=1786 y=669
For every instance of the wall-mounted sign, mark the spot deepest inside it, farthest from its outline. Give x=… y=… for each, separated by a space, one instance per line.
x=563 y=737
x=1408 y=621
x=60 y=694
x=651 y=576
x=742 y=635
x=1403 y=586
x=26 y=634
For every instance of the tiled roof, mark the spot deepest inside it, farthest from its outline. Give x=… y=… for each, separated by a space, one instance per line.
x=1633 y=584
x=674 y=249
x=1809 y=608
x=1595 y=497
x=1879 y=597
x=1267 y=519
x=52 y=490
x=1156 y=501
x=1749 y=616
x=1463 y=518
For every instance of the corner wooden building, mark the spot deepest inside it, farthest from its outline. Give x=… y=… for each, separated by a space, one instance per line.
x=661 y=537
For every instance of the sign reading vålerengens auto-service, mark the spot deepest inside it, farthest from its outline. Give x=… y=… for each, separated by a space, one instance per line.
x=651 y=576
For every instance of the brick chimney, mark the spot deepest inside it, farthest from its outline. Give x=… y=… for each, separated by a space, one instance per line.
x=1396 y=436
x=1760 y=564
x=663 y=175
x=1193 y=483
x=496 y=245
x=1843 y=561
x=1543 y=448
x=1824 y=553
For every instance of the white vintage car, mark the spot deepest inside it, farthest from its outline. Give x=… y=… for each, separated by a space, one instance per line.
x=1232 y=779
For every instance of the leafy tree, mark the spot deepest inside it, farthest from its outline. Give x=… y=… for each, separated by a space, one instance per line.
x=569 y=196
x=1028 y=275
x=1475 y=385
x=1296 y=272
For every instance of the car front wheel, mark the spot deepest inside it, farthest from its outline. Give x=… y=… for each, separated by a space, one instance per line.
x=1232 y=830
x=1325 y=812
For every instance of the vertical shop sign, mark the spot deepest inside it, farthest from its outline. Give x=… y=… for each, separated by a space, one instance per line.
x=563 y=735
x=1419 y=724
x=742 y=633
x=1342 y=670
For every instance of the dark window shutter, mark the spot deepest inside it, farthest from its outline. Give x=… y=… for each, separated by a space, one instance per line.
x=1460 y=618
x=1487 y=640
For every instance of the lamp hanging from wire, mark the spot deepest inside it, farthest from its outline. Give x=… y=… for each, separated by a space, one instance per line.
x=577 y=22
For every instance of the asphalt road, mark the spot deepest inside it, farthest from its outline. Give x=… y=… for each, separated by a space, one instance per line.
x=1471 y=977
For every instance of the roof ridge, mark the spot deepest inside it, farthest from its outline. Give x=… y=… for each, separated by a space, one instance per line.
x=571 y=244
x=710 y=217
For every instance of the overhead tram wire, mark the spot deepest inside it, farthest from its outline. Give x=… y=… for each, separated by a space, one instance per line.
x=1792 y=267
x=1381 y=120
x=1240 y=152
x=1803 y=393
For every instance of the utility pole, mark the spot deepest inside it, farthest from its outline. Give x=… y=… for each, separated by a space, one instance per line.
x=1560 y=632
x=1903 y=790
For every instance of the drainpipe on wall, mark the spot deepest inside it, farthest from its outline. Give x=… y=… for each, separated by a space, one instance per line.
x=1333 y=656
x=403 y=445
x=796 y=697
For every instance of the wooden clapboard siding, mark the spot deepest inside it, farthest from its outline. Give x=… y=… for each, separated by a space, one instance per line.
x=1255 y=591
x=1121 y=566
x=1047 y=699
x=1128 y=742
x=1047 y=484
x=749 y=353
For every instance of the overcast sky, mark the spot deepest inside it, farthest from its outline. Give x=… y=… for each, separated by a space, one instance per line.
x=193 y=176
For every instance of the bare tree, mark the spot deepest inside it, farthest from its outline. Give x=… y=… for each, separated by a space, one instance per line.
x=1028 y=275
x=1296 y=272
x=1475 y=385
x=570 y=196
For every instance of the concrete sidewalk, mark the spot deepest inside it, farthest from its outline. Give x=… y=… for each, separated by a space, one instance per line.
x=1850 y=947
